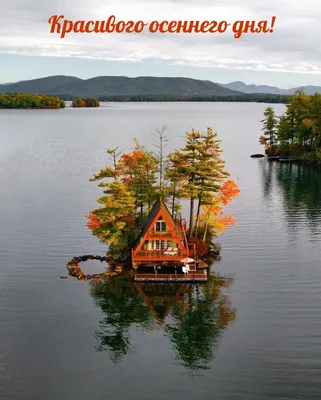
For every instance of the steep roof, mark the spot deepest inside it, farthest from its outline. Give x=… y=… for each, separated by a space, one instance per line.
x=159 y=205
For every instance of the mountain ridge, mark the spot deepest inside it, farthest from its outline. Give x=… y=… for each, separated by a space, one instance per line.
x=100 y=86
x=266 y=89
x=62 y=85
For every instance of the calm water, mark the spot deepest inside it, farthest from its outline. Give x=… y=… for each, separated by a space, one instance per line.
x=252 y=333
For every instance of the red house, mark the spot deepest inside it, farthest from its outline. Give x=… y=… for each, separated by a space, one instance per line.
x=161 y=248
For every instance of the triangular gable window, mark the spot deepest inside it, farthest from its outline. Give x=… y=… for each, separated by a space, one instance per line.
x=160 y=226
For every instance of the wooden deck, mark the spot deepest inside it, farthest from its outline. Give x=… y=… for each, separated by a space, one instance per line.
x=197 y=276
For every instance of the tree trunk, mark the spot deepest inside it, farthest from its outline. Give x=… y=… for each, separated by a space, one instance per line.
x=197 y=215
x=191 y=218
x=173 y=201
x=206 y=226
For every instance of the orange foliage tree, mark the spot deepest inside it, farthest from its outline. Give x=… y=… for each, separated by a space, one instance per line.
x=213 y=219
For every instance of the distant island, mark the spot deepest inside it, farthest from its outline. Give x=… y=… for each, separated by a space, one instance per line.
x=30 y=101
x=87 y=102
x=295 y=135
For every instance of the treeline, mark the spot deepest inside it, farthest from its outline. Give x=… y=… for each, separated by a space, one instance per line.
x=296 y=133
x=246 y=98
x=27 y=100
x=86 y=102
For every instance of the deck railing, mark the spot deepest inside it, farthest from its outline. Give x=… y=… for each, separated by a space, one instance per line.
x=195 y=276
x=160 y=254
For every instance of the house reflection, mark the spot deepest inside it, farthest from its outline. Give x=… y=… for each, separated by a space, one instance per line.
x=191 y=316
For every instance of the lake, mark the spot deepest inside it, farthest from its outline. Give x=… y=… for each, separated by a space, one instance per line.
x=252 y=332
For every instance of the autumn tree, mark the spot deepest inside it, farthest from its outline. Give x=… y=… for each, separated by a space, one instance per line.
x=213 y=220
x=129 y=192
x=114 y=222
x=138 y=169
x=133 y=180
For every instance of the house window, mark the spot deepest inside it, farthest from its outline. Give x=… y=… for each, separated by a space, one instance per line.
x=160 y=244
x=160 y=226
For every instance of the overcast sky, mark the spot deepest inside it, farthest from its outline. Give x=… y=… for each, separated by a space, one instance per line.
x=288 y=57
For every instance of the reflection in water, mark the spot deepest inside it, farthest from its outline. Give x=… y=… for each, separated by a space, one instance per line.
x=197 y=322
x=192 y=316
x=267 y=173
x=122 y=307
x=300 y=187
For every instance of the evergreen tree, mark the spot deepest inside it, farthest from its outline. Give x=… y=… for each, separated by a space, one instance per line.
x=211 y=170
x=200 y=166
x=186 y=163
x=270 y=125
x=160 y=145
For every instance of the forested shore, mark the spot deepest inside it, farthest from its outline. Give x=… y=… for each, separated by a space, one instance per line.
x=246 y=98
x=297 y=132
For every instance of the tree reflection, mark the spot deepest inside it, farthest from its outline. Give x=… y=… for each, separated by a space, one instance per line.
x=301 y=188
x=267 y=177
x=192 y=316
x=197 y=321
x=122 y=306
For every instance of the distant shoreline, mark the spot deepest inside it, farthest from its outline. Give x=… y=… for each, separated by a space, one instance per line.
x=273 y=99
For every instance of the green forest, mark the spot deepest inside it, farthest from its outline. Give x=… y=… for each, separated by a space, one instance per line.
x=244 y=98
x=296 y=133
x=27 y=100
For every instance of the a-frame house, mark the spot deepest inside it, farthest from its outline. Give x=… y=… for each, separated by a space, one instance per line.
x=161 y=239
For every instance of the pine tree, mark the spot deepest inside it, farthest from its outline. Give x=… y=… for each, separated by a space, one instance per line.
x=211 y=170
x=200 y=166
x=185 y=161
x=161 y=143
x=270 y=125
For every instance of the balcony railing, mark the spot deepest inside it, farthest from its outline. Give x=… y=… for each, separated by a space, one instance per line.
x=164 y=234
x=160 y=234
x=160 y=254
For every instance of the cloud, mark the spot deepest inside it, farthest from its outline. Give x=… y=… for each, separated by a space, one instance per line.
x=292 y=47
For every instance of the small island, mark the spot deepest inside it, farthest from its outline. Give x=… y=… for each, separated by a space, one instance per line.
x=295 y=135
x=86 y=103
x=30 y=101
x=148 y=195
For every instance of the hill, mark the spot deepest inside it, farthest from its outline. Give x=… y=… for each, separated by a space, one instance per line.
x=102 y=86
x=265 y=89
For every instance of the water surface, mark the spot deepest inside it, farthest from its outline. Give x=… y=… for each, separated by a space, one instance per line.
x=253 y=332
